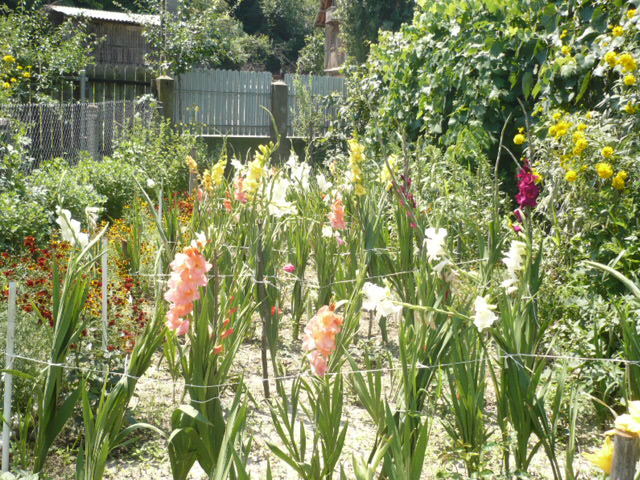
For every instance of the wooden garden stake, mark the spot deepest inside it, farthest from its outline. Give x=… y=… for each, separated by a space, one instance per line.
x=8 y=378
x=626 y=452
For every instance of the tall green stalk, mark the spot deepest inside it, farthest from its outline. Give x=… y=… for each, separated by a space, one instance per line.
x=69 y=297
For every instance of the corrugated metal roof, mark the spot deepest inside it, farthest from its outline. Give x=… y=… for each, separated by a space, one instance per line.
x=120 y=17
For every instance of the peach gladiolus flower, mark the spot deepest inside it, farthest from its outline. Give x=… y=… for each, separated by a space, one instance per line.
x=241 y=193
x=336 y=217
x=188 y=272
x=320 y=338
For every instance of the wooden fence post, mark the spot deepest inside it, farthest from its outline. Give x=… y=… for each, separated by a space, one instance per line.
x=626 y=451
x=93 y=132
x=280 y=112
x=166 y=95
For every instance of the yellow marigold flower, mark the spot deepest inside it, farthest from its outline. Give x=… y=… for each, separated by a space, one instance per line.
x=581 y=127
x=26 y=75
x=589 y=115
x=552 y=130
x=566 y=50
x=607 y=152
x=604 y=169
x=628 y=63
x=6 y=85
x=191 y=163
x=557 y=116
x=618 y=183
x=537 y=176
x=519 y=139
x=611 y=58
x=561 y=129
x=629 y=80
x=9 y=59
x=603 y=457
x=571 y=176
x=581 y=146
x=617 y=31
x=634 y=407
x=632 y=13
x=630 y=108
x=564 y=34
x=13 y=80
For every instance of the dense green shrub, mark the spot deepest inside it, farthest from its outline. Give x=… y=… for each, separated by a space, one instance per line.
x=154 y=152
x=55 y=183
x=36 y=54
x=469 y=65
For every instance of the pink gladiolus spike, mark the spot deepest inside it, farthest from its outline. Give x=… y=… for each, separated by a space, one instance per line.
x=240 y=193
x=289 y=268
x=336 y=217
x=188 y=272
x=320 y=338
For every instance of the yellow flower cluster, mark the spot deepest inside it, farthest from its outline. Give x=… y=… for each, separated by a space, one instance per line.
x=213 y=178
x=257 y=168
x=619 y=181
x=626 y=61
x=581 y=142
x=356 y=158
x=191 y=164
x=604 y=169
x=560 y=129
x=520 y=138
x=617 y=31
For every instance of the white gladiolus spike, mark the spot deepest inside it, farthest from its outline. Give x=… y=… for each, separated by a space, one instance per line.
x=379 y=299
x=435 y=241
x=484 y=316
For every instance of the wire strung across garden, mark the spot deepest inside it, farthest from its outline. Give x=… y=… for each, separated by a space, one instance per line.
x=420 y=366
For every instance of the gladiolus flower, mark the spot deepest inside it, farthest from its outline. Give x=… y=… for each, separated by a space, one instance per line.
x=218 y=349
x=227 y=333
x=189 y=272
x=528 y=190
x=336 y=217
x=240 y=193
x=289 y=268
x=603 y=457
x=435 y=241
x=320 y=338
x=483 y=316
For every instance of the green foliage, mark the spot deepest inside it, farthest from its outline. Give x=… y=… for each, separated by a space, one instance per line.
x=311 y=56
x=362 y=20
x=469 y=64
x=36 y=54
x=285 y=24
x=197 y=35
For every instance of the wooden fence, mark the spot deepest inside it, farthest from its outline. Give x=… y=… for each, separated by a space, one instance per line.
x=104 y=82
x=222 y=102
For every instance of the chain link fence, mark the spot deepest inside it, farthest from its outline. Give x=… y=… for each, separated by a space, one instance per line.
x=66 y=129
